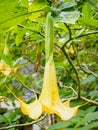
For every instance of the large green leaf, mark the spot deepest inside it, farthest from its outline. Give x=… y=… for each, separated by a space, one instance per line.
x=2 y=118
x=25 y=3
x=36 y=6
x=91 y=116
x=59 y=125
x=87 y=12
x=94 y=93
x=90 y=79
x=89 y=22
x=11 y=13
x=66 y=5
x=3 y=80
x=19 y=36
x=67 y=17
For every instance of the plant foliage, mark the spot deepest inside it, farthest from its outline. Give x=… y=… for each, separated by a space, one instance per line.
x=22 y=58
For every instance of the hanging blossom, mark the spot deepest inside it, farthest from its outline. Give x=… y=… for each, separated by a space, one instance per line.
x=6 y=69
x=49 y=100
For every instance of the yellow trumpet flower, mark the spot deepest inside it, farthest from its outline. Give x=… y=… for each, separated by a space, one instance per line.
x=49 y=100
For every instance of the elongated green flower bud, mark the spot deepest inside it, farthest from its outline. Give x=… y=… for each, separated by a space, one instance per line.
x=49 y=36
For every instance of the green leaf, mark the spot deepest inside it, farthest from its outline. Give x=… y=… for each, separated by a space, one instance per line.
x=87 y=12
x=7 y=59
x=90 y=22
x=2 y=118
x=2 y=33
x=19 y=37
x=94 y=93
x=66 y=5
x=90 y=109
x=10 y=17
x=88 y=80
x=3 y=80
x=67 y=17
x=89 y=126
x=95 y=16
x=24 y=3
x=16 y=117
x=91 y=116
x=37 y=7
x=59 y=125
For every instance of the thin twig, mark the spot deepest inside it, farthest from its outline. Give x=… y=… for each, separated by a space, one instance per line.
x=25 y=124
x=76 y=72
x=82 y=98
x=69 y=30
x=82 y=35
x=69 y=59
x=86 y=34
x=87 y=71
x=70 y=87
x=88 y=100
x=27 y=13
x=27 y=86
x=22 y=26
x=26 y=57
x=70 y=35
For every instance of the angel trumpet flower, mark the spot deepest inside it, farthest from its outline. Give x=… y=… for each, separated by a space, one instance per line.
x=49 y=100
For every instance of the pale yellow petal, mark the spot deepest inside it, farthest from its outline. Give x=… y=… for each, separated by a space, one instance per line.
x=67 y=103
x=65 y=113
x=50 y=90
x=48 y=110
x=5 y=69
x=6 y=72
x=24 y=107
x=35 y=109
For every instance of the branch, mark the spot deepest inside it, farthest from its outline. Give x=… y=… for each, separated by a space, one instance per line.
x=27 y=13
x=27 y=86
x=82 y=98
x=86 y=34
x=87 y=71
x=21 y=26
x=69 y=59
x=25 y=124
x=70 y=35
x=71 y=63
x=88 y=100
x=82 y=35
x=69 y=30
x=76 y=72
x=30 y=60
